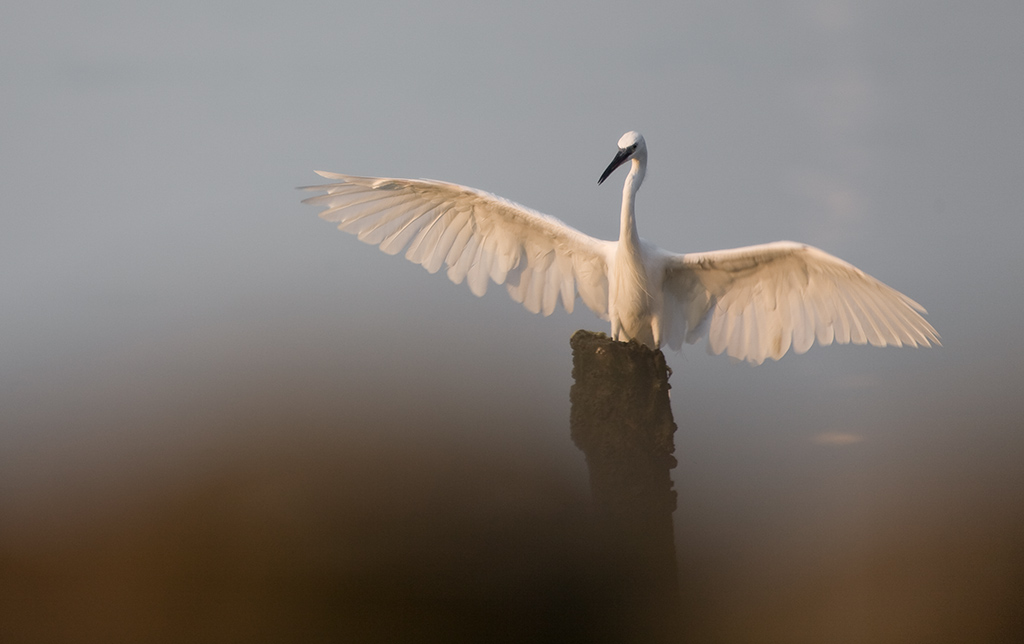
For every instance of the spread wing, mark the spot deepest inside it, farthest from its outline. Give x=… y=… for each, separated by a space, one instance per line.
x=757 y=302
x=477 y=235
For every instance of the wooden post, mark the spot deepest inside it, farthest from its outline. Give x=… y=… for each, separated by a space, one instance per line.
x=622 y=421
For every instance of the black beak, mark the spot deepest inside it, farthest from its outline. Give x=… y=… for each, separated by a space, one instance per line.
x=620 y=157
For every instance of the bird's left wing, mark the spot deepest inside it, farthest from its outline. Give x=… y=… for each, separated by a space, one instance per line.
x=477 y=235
x=758 y=301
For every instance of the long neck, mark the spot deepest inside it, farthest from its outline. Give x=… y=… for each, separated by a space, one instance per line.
x=627 y=226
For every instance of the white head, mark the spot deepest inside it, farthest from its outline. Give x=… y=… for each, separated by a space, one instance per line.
x=632 y=140
x=631 y=145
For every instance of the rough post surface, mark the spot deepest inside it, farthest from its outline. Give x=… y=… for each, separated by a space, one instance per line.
x=622 y=421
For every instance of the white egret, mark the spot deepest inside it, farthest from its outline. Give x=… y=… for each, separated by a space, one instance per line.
x=752 y=303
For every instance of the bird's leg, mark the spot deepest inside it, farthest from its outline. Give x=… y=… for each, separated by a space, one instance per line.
x=656 y=330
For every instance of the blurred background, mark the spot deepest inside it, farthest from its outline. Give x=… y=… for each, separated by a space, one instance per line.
x=223 y=420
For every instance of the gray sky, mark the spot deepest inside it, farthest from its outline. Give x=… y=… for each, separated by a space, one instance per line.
x=157 y=268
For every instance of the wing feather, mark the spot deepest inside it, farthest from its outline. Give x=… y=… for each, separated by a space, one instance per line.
x=427 y=237
x=398 y=240
x=803 y=332
x=824 y=322
x=760 y=301
x=480 y=237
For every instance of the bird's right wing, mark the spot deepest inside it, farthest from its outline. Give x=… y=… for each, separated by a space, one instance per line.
x=757 y=302
x=477 y=235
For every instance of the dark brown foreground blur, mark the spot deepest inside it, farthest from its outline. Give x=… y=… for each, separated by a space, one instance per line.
x=358 y=542
x=281 y=510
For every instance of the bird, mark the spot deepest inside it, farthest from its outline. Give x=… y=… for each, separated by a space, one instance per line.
x=751 y=303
